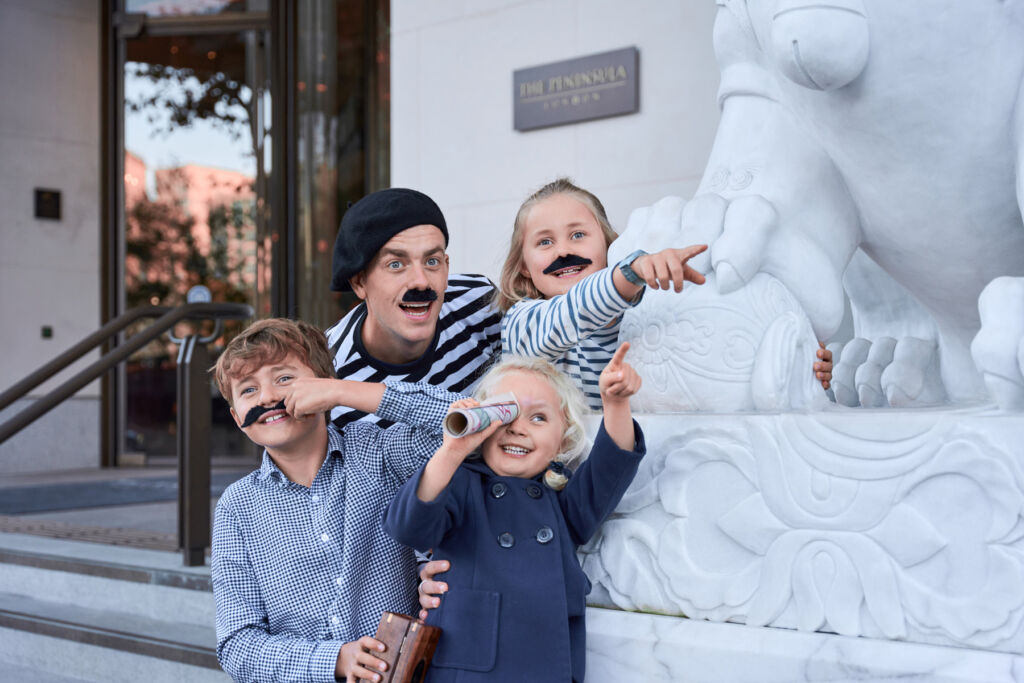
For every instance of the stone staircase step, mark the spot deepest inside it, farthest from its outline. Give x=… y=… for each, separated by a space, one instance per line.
x=129 y=613
x=176 y=642
x=146 y=583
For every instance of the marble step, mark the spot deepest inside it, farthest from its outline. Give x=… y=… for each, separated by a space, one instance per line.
x=143 y=583
x=177 y=642
x=113 y=614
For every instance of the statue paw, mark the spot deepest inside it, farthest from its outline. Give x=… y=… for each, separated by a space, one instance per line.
x=913 y=378
x=901 y=373
x=846 y=360
x=998 y=348
x=868 y=378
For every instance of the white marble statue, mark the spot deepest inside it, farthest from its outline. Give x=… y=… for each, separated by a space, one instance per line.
x=873 y=140
x=870 y=150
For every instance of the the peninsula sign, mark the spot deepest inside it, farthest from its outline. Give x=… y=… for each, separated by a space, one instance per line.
x=580 y=89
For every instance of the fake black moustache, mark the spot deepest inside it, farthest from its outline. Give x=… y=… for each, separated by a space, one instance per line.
x=256 y=412
x=415 y=296
x=567 y=261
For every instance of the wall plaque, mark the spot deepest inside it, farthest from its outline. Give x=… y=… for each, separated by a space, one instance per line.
x=581 y=89
x=47 y=203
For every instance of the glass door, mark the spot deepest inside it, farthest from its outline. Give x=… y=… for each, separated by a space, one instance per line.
x=195 y=199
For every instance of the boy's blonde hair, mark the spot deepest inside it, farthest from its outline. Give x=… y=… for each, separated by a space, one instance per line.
x=269 y=341
x=514 y=285
x=571 y=401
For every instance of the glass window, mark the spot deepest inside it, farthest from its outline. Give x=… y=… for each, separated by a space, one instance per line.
x=177 y=8
x=341 y=93
x=194 y=184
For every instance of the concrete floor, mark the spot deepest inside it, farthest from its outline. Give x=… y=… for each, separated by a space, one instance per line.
x=158 y=517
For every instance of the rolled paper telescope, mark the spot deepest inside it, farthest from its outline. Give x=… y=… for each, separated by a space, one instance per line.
x=463 y=421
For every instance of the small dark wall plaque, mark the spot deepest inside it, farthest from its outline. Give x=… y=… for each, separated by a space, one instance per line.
x=581 y=89
x=48 y=204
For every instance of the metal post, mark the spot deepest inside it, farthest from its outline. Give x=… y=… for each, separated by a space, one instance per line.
x=193 y=450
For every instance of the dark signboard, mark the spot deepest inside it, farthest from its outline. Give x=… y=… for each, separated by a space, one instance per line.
x=580 y=89
x=47 y=204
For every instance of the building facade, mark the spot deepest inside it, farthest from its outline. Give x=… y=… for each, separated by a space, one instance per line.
x=217 y=142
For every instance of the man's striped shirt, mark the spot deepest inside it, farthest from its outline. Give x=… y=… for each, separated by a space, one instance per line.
x=577 y=331
x=467 y=339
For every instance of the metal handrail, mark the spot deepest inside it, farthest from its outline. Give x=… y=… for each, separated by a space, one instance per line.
x=77 y=351
x=169 y=318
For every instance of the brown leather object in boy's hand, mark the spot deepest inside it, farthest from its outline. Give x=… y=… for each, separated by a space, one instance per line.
x=410 y=647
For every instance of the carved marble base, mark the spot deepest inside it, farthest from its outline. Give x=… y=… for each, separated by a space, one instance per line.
x=898 y=525
x=623 y=646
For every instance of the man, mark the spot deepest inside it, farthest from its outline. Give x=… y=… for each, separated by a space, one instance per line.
x=414 y=324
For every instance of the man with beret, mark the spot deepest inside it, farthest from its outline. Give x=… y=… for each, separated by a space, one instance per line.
x=415 y=324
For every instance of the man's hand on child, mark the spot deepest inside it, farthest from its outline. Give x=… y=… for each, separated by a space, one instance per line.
x=668 y=268
x=823 y=368
x=355 y=661
x=619 y=380
x=430 y=589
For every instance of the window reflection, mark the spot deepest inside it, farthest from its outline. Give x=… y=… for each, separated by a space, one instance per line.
x=192 y=185
x=166 y=8
x=341 y=95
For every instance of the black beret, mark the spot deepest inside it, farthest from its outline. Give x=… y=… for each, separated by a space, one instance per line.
x=372 y=221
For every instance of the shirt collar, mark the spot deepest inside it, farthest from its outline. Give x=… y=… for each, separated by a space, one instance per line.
x=269 y=470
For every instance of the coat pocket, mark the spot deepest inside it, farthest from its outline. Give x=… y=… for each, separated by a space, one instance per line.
x=469 y=622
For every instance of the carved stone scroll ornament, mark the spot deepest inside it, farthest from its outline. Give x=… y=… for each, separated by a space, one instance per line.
x=903 y=527
x=858 y=154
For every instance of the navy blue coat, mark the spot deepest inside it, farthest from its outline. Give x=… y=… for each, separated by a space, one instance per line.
x=516 y=597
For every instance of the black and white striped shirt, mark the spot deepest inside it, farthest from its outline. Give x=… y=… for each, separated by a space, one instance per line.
x=577 y=331
x=467 y=339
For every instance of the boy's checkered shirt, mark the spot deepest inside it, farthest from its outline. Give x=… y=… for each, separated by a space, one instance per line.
x=298 y=572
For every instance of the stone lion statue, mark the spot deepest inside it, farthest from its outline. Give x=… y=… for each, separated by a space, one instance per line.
x=868 y=151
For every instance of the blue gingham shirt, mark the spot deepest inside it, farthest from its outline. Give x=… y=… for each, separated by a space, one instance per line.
x=298 y=572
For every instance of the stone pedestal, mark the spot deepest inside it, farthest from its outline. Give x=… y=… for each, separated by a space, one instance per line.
x=887 y=525
x=624 y=646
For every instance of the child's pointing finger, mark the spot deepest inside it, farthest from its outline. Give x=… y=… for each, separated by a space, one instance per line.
x=619 y=357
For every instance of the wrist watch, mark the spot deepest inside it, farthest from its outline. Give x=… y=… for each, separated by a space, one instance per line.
x=625 y=267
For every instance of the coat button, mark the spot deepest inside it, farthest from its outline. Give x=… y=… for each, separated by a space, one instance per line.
x=498 y=489
x=506 y=540
x=545 y=534
x=533 y=491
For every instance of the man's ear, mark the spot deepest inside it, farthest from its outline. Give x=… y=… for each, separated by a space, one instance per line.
x=358 y=283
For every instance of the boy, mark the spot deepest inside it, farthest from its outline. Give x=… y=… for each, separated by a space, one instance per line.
x=301 y=567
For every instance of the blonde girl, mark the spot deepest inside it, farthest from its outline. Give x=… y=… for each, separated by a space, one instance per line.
x=560 y=299
x=509 y=520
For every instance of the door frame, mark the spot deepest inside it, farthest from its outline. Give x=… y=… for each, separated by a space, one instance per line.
x=117 y=26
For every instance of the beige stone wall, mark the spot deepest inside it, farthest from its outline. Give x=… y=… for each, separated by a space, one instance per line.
x=452 y=132
x=49 y=270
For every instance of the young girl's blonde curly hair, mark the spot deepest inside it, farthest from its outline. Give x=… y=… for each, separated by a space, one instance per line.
x=571 y=401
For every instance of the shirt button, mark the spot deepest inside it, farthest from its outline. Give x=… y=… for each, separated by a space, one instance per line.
x=316 y=497
x=324 y=537
x=335 y=620
x=545 y=534
x=498 y=489
x=533 y=491
x=506 y=540
x=338 y=581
